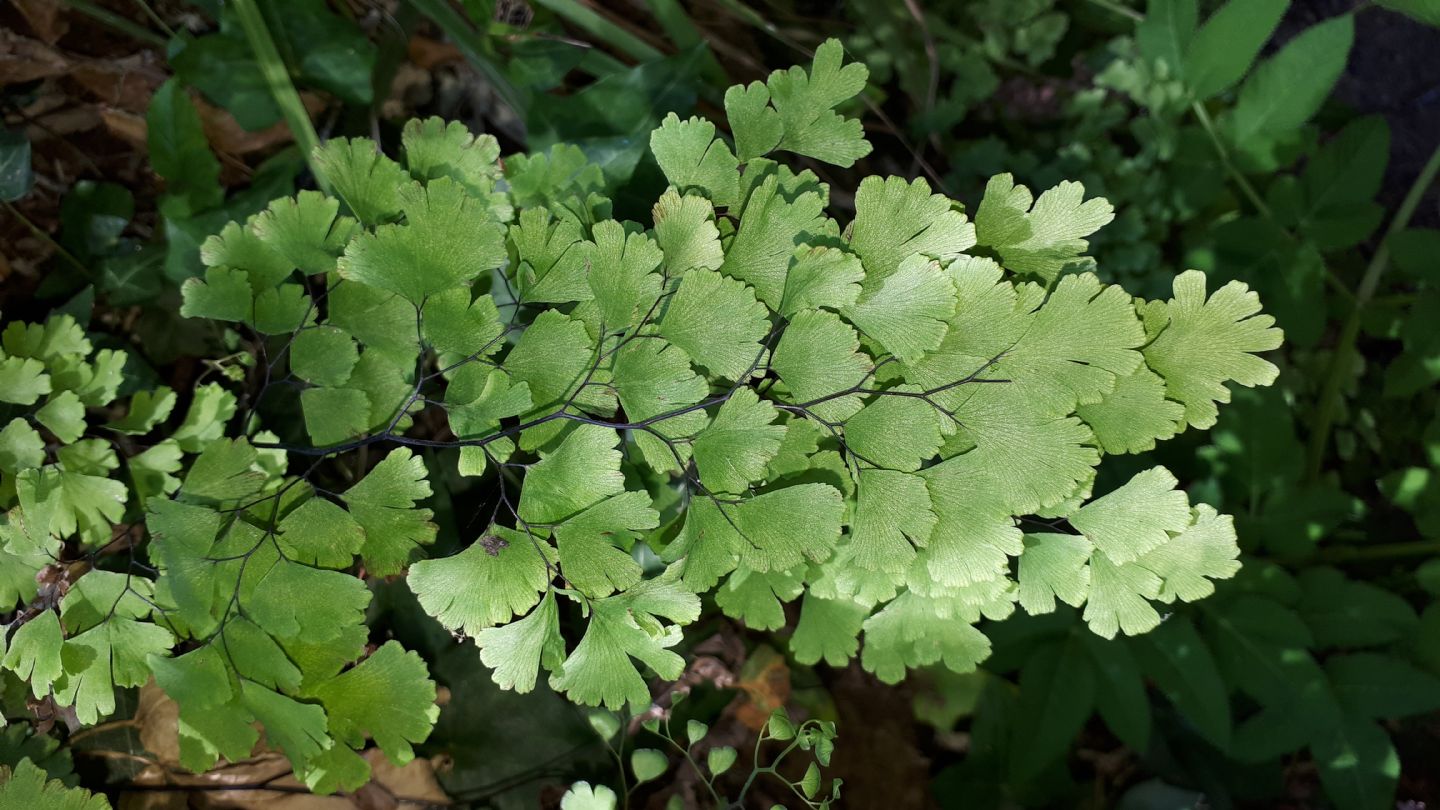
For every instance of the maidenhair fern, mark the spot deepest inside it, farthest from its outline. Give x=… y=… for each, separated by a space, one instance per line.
x=895 y=421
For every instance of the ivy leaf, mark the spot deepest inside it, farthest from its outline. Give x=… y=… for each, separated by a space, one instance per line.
x=499 y=576
x=1041 y=240
x=383 y=503
x=1205 y=343
x=386 y=696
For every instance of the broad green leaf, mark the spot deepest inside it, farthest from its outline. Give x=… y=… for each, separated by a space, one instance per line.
x=1227 y=44
x=15 y=174
x=1058 y=685
x=1287 y=89
x=179 y=151
x=1179 y=662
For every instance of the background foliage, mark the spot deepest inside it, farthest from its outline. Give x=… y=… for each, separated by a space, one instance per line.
x=1277 y=144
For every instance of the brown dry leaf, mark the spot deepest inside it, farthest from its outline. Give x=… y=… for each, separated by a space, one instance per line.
x=426 y=53
x=264 y=781
x=44 y=18
x=226 y=135
x=765 y=680
x=23 y=59
x=158 y=717
x=126 y=126
x=126 y=83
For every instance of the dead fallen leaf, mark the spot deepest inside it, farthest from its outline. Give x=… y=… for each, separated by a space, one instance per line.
x=227 y=136
x=126 y=83
x=23 y=59
x=765 y=680
x=262 y=782
x=44 y=18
